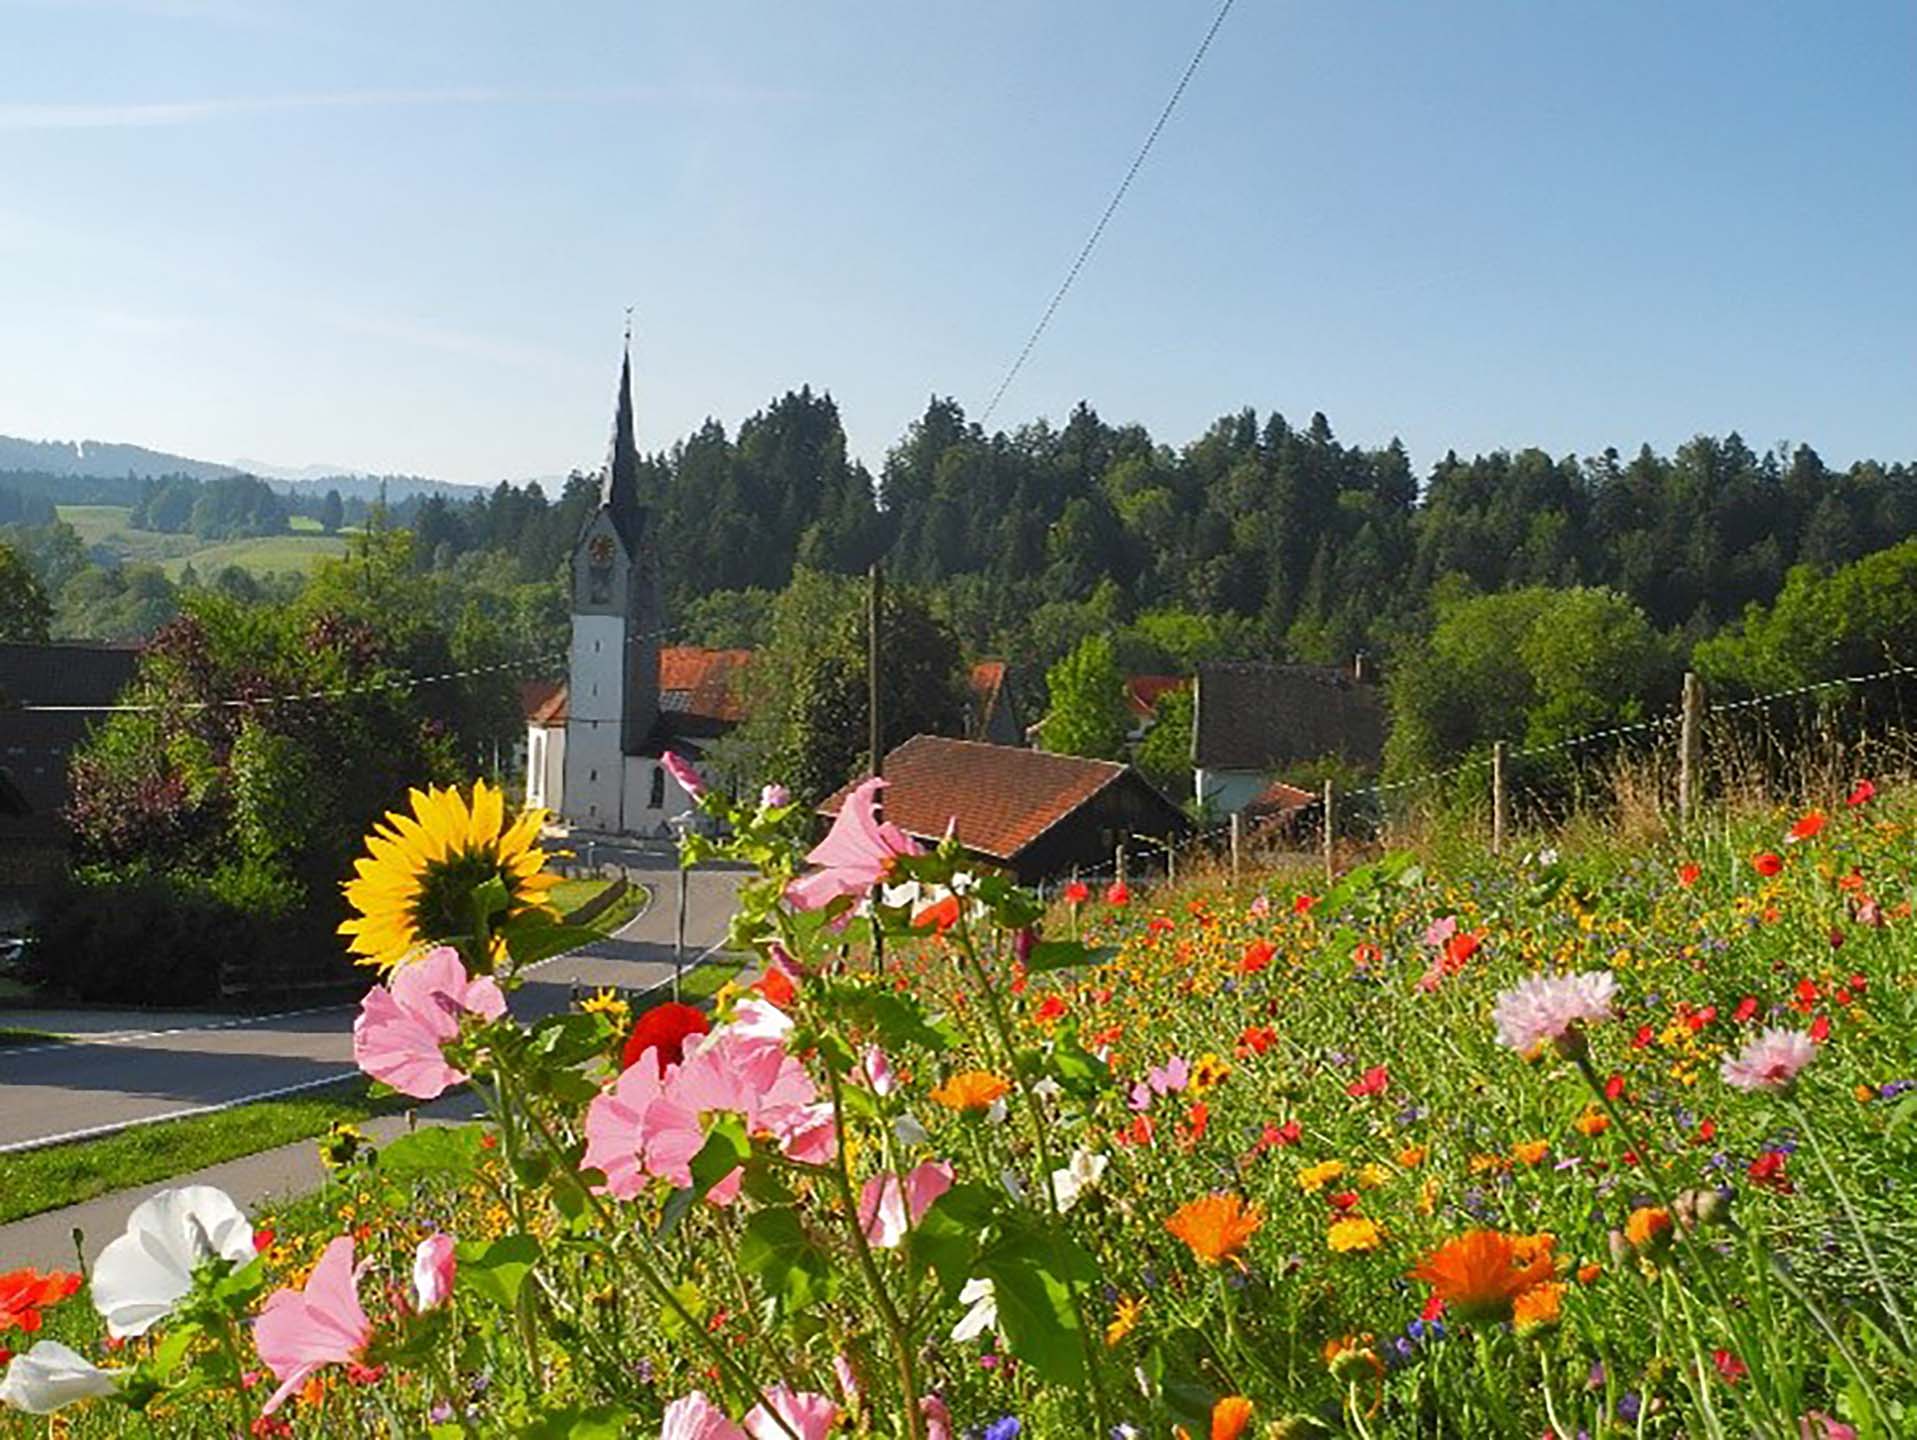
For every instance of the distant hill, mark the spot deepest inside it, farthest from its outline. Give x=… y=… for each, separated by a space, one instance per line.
x=96 y=464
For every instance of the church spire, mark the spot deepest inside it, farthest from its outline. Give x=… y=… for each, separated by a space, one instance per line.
x=619 y=488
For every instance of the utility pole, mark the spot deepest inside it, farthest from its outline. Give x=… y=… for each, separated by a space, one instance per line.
x=875 y=600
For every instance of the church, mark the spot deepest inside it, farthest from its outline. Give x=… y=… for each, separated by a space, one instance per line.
x=595 y=746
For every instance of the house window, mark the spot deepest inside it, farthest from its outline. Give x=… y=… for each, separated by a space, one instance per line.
x=658 y=800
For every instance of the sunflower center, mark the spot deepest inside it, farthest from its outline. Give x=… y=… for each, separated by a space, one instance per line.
x=444 y=906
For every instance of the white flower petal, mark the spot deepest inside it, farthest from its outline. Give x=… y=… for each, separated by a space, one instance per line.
x=50 y=1376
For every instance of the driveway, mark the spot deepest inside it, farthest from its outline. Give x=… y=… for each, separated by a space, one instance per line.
x=101 y=1083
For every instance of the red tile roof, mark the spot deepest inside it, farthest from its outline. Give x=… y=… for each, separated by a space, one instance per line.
x=1002 y=797
x=1142 y=692
x=696 y=682
x=1278 y=797
x=543 y=702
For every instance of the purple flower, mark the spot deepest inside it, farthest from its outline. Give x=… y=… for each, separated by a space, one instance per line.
x=1005 y=1428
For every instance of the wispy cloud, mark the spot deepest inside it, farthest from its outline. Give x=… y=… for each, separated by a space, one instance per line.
x=85 y=115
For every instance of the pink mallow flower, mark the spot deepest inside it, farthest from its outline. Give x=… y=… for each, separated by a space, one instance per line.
x=681 y=770
x=403 y=1023
x=855 y=855
x=809 y=1416
x=693 y=1417
x=886 y=1213
x=303 y=1331
x=1770 y=1062
x=1547 y=1007
x=433 y=1270
x=615 y=1121
x=938 y=1419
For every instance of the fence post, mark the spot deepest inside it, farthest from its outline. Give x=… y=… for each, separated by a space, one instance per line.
x=1690 y=747
x=1118 y=862
x=1497 y=797
x=1237 y=844
x=1331 y=836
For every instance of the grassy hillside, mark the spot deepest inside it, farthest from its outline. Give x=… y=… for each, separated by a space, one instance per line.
x=106 y=525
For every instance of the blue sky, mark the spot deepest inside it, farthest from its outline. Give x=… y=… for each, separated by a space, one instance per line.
x=401 y=236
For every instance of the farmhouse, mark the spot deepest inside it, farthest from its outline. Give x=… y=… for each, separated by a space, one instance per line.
x=1035 y=814
x=1252 y=720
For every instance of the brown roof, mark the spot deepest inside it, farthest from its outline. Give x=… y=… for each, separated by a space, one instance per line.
x=1260 y=717
x=543 y=702
x=1277 y=798
x=1142 y=692
x=1001 y=797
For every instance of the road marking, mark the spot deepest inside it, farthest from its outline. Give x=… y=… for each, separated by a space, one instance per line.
x=113 y=1127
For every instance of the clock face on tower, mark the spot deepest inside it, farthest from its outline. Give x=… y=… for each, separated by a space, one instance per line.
x=599 y=569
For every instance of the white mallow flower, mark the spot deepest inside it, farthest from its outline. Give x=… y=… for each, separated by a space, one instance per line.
x=996 y=1112
x=983 y=1315
x=1082 y=1174
x=49 y=1377
x=909 y=1131
x=141 y=1276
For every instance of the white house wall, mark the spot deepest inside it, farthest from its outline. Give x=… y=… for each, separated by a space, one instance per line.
x=1226 y=792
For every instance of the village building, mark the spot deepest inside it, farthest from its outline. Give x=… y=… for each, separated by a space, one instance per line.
x=1034 y=814
x=1252 y=720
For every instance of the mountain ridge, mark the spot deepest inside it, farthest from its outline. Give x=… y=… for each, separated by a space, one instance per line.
x=115 y=460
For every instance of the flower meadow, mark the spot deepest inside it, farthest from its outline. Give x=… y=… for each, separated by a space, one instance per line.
x=1608 y=1143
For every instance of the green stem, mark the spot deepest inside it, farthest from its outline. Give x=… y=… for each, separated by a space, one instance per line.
x=1493 y=1390
x=1857 y=1226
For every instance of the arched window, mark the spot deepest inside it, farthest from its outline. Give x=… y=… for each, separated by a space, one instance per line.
x=658 y=800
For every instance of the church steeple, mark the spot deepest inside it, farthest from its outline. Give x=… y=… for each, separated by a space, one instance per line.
x=619 y=486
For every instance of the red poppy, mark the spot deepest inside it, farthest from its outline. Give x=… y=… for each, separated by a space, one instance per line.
x=1365 y=954
x=1808 y=826
x=1687 y=875
x=1614 y=1087
x=1768 y=1170
x=1746 y=1008
x=1049 y=1009
x=776 y=985
x=1373 y=1082
x=1274 y=1136
x=263 y=1239
x=938 y=917
x=1344 y=1200
x=1302 y=905
x=1256 y=957
x=1767 y=864
x=1643 y=1037
x=1820 y=1029
x=1706 y=1132
x=1807 y=993
x=1118 y=894
x=1077 y=893
x=1256 y=1038
x=1460 y=948
x=23 y=1293
x=1729 y=1366
x=665 y=1028
x=1862 y=794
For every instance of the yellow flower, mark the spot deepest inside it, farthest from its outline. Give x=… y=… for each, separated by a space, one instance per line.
x=1124 y=1319
x=1530 y=1152
x=1314 y=1178
x=414 y=885
x=1354 y=1233
x=1370 y=1177
x=1209 y=1073
x=1648 y=1229
x=609 y=1004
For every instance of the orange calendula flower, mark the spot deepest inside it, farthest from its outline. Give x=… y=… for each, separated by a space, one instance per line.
x=1593 y=1122
x=1538 y=1308
x=1589 y=1272
x=1229 y=1417
x=1124 y=1319
x=1648 y=1229
x=971 y=1090
x=1530 y=1152
x=1482 y=1272
x=1412 y=1156
x=1354 y=1234
x=1216 y=1226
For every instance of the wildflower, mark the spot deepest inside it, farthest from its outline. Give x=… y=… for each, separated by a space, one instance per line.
x=809 y=1416
x=982 y=1314
x=1551 y=1007
x=1124 y=1319
x=403 y=1024
x=148 y=1269
x=1208 y=1074
x=1861 y=794
x=1314 y=1178
x=1004 y=1428
x=1412 y=1156
x=1256 y=1039
x=1481 y=1273
x=1538 y=1308
x=1530 y=1152
x=1648 y=1229
x=415 y=884
x=1073 y=1179
x=687 y=778
x=1216 y=1226
x=1077 y=893
x=887 y=1212
x=1256 y=957
x=1589 y=1272
x=1729 y=1366
x=302 y=1331
x=693 y=1417
x=1807 y=828
x=857 y=853
x=1374 y=1081
x=1767 y=864
x=1354 y=1234
x=23 y=1294
x=1229 y=1417
x=1687 y=874
x=1592 y=1123
x=433 y=1271
x=1373 y=1175
x=1819 y=1029
x=971 y=1090
x=50 y=1377
x=1118 y=894
x=774 y=796
x=1768 y=1169
x=1771 y=1061
x=664 y=1029
x=1350 y=1358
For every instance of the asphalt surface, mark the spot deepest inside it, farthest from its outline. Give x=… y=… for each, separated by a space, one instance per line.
x=72 y=1089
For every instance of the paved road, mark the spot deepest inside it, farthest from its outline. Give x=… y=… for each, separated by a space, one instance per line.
x=107 y=1082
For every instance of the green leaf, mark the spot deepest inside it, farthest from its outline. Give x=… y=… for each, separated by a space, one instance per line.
x=725 y=1150
x=899 y=1020
x=1064 y=954
x=1029 y=1276
x=950 y=1234
x=449 y=1151
x=577 y=1422
x=495 y=1270
x=1081 y=1073
x=794 y=1270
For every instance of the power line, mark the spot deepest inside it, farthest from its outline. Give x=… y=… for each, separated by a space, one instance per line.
x=1118 y=195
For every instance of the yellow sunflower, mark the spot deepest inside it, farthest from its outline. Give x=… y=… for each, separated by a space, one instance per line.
x=414 y=885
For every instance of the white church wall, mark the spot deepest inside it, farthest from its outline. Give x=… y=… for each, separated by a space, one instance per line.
x=594 y=762
x=546 y=767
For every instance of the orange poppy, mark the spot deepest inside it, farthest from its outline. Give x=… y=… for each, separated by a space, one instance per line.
x=1482 y=1272
x=24 y=1292
x=971 y=1090
x=1216 y=1226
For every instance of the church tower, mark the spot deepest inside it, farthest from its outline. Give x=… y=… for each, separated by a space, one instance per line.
x=613 y=671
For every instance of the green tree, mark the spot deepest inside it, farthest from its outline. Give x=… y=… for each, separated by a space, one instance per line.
x=25 y=611
x=332 y=513
x=1087 y=715
x=1165 y=754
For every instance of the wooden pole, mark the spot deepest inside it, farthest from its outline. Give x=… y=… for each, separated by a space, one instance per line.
x=1118 y=862
x=1690 y=747
x=875 y=737
x=1331 y=835
x=1237 y=844
x=1498 y=812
